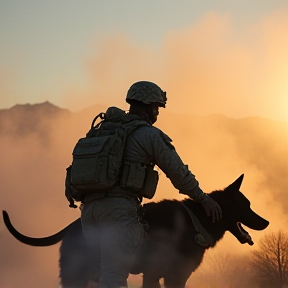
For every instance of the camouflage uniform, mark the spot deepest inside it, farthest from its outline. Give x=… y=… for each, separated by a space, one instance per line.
x=117 y=218
x=114 y=220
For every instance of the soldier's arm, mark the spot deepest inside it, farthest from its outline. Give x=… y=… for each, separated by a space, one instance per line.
x=168 y=160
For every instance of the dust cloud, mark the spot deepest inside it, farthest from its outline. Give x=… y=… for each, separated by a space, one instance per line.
x=212 y=66
x=34 y=154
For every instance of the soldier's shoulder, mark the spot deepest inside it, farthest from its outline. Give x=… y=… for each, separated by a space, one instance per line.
x=154 y=133
x=150 y=129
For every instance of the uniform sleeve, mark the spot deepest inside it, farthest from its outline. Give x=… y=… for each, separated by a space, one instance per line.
x=167 y=159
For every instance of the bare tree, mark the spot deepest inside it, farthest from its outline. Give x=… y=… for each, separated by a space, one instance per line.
x=270 y=261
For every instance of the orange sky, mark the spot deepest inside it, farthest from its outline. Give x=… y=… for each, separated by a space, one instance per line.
x=221 y=60
x=207 y=68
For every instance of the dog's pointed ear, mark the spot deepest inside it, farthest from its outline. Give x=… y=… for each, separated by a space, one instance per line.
x=235 y=186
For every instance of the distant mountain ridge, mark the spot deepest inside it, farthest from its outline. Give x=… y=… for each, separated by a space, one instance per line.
x=45 y=107
x=21 y=119
x=49 y=109
x=25 y=118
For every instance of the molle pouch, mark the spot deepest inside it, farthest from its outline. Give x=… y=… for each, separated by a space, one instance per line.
x=133 y=176
x=150 y=184
x=89 y=167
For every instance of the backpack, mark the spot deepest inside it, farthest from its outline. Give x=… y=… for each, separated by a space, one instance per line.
x=97 y=158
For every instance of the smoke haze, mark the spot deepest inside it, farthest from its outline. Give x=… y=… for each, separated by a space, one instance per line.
x=212 y=66
x=36 y=146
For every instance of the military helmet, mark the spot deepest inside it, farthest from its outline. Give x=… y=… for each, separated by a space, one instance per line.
x=147 y=93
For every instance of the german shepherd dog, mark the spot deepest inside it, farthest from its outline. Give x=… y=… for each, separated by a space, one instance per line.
x=173 y=247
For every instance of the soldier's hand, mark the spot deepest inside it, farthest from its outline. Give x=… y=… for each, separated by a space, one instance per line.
x=211 y=208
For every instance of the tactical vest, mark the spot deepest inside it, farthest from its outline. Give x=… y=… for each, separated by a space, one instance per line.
x=98 y=158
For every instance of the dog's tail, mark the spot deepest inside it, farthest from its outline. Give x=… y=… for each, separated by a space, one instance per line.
x=44 y=241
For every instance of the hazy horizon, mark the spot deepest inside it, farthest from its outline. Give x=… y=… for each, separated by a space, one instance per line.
x=125 y=107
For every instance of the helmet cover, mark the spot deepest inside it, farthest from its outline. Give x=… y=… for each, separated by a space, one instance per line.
x=147 y=93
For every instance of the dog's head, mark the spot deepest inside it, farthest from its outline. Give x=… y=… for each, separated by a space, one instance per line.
x=237 y=208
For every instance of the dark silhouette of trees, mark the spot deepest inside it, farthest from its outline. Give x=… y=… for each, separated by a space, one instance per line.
x=270 y=261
